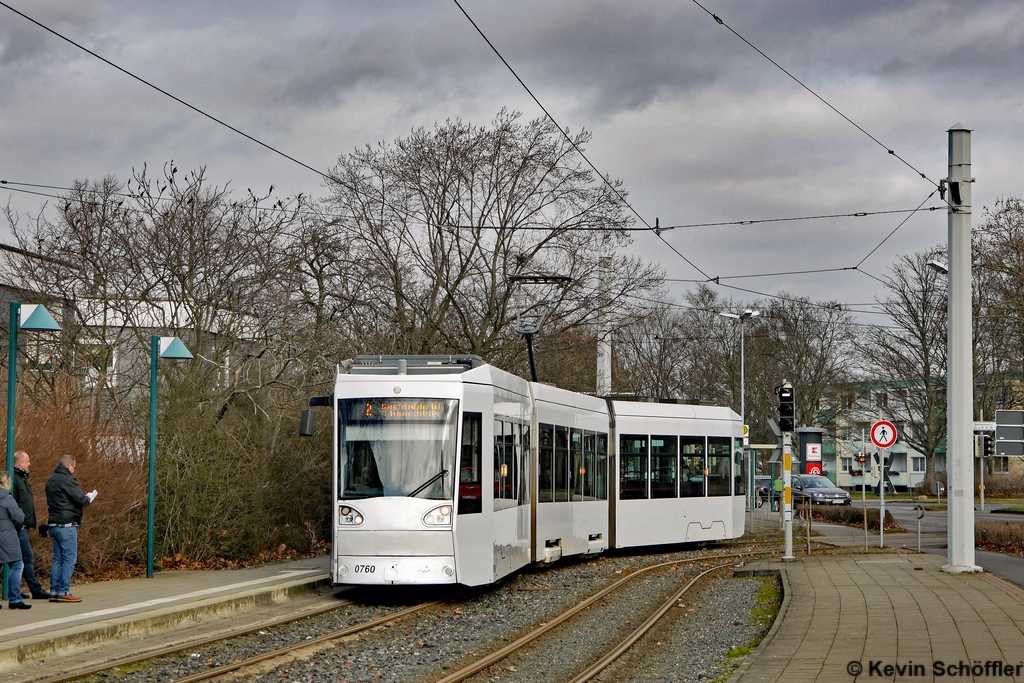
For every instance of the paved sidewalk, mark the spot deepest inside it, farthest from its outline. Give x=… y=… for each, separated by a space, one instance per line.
x=864 y=612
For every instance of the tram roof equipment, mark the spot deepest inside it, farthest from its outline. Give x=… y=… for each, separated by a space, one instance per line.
x=410 y=365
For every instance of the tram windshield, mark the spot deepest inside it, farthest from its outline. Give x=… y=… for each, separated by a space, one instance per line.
x=397 y=447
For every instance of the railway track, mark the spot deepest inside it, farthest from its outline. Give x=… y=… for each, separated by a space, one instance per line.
x=283 y=654
x=594 y=669
x=77 y=673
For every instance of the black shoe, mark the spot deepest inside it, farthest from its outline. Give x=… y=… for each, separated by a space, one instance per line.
x=40 y=596
x=19 y=605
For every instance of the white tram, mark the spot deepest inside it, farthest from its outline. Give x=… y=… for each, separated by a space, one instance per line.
x=449 y=470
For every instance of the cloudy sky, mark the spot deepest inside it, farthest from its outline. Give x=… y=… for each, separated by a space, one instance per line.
x=699 y=126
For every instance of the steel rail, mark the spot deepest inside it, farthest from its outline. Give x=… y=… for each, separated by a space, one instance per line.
x=280 y=652
x=73 y=674
x=642 y=630
x=496 y=656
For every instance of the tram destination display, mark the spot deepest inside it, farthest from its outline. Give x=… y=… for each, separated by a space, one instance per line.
x=398 y=409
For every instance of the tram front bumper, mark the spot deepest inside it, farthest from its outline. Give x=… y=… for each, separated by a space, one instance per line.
x=377 y=570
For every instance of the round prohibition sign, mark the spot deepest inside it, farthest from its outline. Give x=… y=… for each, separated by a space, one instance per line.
x=883 y=434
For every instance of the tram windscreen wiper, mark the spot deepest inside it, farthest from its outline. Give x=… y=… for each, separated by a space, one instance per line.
x=428 y=482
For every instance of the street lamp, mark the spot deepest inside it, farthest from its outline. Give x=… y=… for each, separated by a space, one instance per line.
x=159 y=347
x=743 y=317
x=28 y=317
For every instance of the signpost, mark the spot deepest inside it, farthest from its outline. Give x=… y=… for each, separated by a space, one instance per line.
x=883 y=435
x=812 y=456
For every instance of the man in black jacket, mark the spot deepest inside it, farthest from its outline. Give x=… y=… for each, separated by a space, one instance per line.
x=27 y=503
x=65 y=501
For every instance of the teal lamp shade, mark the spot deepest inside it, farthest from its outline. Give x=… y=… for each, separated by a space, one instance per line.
x=36 y=317
x=172 y=347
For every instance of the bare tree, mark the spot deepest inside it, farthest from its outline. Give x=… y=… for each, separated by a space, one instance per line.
x=438 y=222
x=998 y=296
x=913 y=355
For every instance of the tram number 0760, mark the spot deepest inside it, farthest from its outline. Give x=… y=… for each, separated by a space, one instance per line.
x=365 y=569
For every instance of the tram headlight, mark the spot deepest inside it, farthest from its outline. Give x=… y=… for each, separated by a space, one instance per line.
x=348 y=516
x=439 y=516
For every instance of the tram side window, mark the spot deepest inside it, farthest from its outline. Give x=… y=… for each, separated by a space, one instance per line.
x=470 y=491
x=522 y=460
x=546 y=456
x=719 y=465
x=561 y=464
x=664 y=464
x=740 y=468
x=577 y=472
x=691 y=466
x=602 y=466
x=511 y=466
x=504 y=467
x=633 y=467
x=589 y=467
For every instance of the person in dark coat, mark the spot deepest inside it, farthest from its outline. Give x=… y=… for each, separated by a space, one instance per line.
x=65 y=501
x=27 y=502
x=11 y=519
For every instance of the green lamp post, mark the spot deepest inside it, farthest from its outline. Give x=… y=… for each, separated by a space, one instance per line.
x=28 y=317
x=159 y=347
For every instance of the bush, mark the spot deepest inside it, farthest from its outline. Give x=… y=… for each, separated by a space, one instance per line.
x=231 y=485
x=1008 y=536
x=113 y=527
x=1002 y=485
x=851 y=516
x=925 y=488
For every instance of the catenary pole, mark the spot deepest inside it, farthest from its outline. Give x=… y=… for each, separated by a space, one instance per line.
x=604 y=334
x=960 y=387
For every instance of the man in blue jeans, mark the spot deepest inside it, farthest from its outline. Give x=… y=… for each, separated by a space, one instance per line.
x=27 y=502
x=65 y=501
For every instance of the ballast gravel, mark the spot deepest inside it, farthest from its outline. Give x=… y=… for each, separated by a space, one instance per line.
x=472 y=622
x=692 y=644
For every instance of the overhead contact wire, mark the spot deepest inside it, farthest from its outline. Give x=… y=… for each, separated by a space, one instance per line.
x=894 y=230
x=173 y=97
x=821 y=99
x=573 y=143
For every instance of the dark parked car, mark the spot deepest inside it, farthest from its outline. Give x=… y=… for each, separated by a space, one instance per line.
x=819 y=490
x=762 y=490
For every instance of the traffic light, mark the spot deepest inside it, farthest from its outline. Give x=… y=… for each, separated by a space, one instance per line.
x=787 y=407
x=987 y=446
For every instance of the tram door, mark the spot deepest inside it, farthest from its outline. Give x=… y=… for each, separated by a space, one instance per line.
x=511 y=432
x=473 y=564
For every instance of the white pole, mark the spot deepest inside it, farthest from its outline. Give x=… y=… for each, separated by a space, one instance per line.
x=604 y=333
x=960 y=394
x=787 y=494
x=883 y=460
x=743 y=394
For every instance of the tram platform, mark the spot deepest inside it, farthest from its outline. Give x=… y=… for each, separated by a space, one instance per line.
x=114 y=610
x=886 y=616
